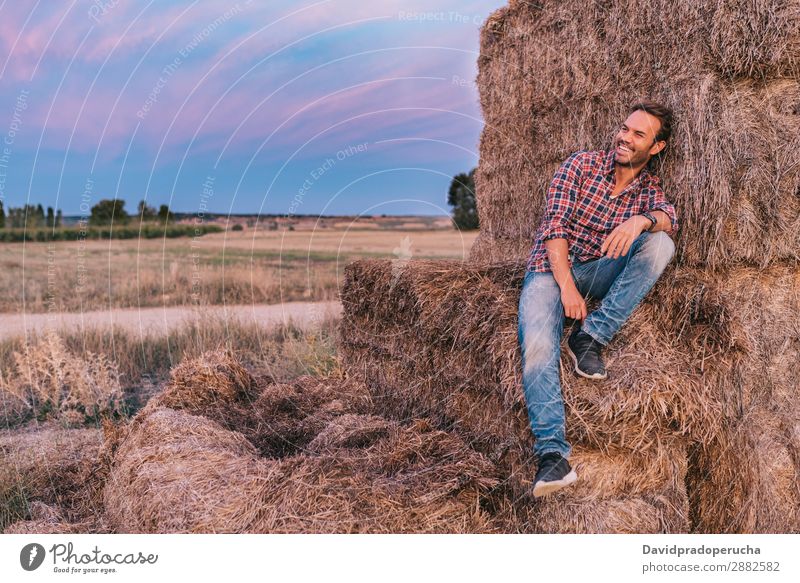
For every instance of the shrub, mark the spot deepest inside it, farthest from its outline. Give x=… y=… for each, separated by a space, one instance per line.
x=53 y=382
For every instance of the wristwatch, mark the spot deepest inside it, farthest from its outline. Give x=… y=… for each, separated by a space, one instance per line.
x=652 y=219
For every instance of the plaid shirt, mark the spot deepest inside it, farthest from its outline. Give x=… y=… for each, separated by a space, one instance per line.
x=580 y=208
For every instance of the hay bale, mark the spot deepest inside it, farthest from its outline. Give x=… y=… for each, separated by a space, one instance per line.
x=694 y=357
x=488 y=249
x=748 y=478
x=460 y=333
x=415 y=480
x=175 y=472
x=53 y=466
x=617 y=492
x=557 y=77
x=741 y=330
x=214 y=385
x=756 y=38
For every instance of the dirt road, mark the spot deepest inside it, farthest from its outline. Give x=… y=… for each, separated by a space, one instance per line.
x=156 y=321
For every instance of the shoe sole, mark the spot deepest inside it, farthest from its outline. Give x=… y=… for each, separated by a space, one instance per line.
x=579 y=371
x=545 y=488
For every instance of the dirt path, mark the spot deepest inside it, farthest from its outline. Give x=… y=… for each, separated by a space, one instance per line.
x=157 y=321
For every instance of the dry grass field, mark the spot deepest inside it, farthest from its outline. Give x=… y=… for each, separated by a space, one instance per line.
x=254 y=266
x=236 y=267
x=57 y=387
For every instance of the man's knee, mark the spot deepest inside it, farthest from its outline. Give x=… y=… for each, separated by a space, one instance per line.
x=659 y=248
x=537 y=350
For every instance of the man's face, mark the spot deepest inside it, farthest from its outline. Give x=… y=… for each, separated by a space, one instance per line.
x=635 y=141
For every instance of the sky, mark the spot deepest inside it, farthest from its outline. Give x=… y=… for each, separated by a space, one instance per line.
x=270 y=107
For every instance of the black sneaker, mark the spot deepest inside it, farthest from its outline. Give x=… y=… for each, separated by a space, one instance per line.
x=554 y=473
x=585 y=352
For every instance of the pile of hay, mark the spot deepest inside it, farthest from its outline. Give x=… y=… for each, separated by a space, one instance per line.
x=45 y=519
x=707 y=358
x=742 y=331
x=556 y=77
x=449 y=351
x=279 y=419
x=306 y=460
x=48 y=480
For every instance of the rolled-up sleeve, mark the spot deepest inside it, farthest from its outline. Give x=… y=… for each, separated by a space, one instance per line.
x=657 y=201
x=561 y=197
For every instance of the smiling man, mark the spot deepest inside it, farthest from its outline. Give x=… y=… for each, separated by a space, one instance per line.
x=603 y=235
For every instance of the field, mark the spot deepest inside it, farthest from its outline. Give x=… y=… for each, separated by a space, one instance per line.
x=235 y=267
x=122 y=369
x=253 y=266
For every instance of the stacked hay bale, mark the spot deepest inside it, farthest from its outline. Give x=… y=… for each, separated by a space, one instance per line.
x=556 y=77
x=742 y=332
x=304 y=461
x=439 y=339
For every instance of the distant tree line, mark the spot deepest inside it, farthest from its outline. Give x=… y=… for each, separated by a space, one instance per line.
x=105 y=213
x=32 y=215
x=112 y=211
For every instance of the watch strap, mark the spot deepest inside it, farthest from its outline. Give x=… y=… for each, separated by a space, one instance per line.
x=651 y=218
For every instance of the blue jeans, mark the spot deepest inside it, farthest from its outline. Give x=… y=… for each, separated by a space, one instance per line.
x=621 y=283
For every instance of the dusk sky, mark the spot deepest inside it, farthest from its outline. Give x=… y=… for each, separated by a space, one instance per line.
x=334 y=106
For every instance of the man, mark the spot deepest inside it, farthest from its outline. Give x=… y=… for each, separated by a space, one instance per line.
x=603 y=235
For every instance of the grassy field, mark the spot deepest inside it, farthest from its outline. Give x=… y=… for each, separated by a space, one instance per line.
x=142 y=363
x=234 y=267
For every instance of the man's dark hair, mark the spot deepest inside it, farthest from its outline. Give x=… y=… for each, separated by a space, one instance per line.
x=662 y=112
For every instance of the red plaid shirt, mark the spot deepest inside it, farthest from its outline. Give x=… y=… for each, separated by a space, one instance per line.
x=580 y=208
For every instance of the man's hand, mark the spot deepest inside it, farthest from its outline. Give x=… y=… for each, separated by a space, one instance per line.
x=619 y=241
x=573 y=302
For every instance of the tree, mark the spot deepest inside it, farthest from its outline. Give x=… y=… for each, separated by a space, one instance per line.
x=25 y=216
x=2 y=216
x=146 y=213
x=59 y=216
x=461 y=197
x=51 y=217
x=164 y=214
x=107 y=211
x=39 y=215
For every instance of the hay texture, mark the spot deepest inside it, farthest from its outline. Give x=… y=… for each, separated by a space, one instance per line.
x=557 y=77
x=450 y=352
x=49 y=467
x=45 y=519
x=743 y=332
x=453 y=335
x=173 y=470
x=703 y=353
x=279 y=419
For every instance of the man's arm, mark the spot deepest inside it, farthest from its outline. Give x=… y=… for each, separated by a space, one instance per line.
x=562 y=197
x=619 y=241
x=571 y=299
x=662 y=210
x=664 y=223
